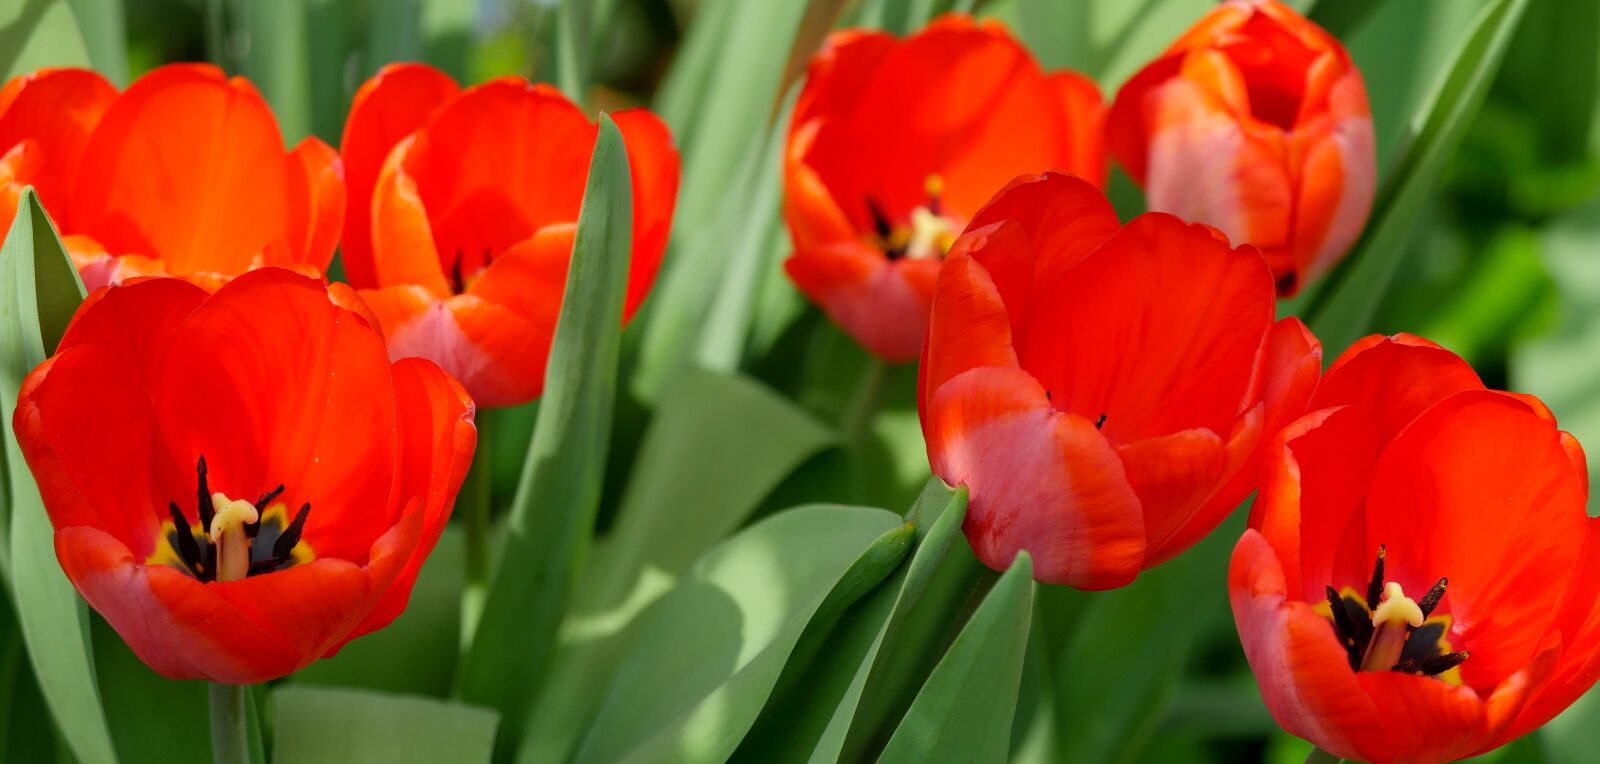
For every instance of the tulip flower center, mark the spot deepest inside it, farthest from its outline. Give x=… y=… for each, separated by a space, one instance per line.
x=1386 y=630
x=926 y=234
x=463 y=273
x=234 y=539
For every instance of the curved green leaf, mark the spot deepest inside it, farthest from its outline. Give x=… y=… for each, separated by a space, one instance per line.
x=38 y=33
x=323 y=725
x=710 y=653
x=1342 y=311
x=39 y=291
x=552 y=515
x=964 y=711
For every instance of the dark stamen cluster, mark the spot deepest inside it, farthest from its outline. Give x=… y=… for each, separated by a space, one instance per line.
x=1352 y=624
x=199 y=555
x=458 y=280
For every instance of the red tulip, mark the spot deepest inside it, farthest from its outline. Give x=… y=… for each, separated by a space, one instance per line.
x=895 y=144
x=1102 y=392
x=468 y=204
x=1254 y=121
x=1420 y=580
x=256 y=485
x=183 y=174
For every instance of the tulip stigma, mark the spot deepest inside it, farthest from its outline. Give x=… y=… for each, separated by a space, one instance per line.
x=1383 y=629
x=235 y=538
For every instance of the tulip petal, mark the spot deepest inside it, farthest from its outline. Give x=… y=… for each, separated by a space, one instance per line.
x=496 y=354
x=401 y=229
x=884 y=305
x=1173 y=476
x=653 y=163
x=1064 y=220
x=1042 y=481
x=386 y=109
x=316 y=203
x=1394 y=378
x=188 y=166
x=1481 y=490
x=54 y=110
x=1177 y=320
x=968 y=328
x=1428 y=720
x=1085 y=116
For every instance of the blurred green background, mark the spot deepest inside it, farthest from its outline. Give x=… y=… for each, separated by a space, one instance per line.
x=1494 y=253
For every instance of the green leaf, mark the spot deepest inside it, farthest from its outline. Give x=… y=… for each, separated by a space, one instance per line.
x=1341 y=17
x=39 y=290
x=1342 y=311
x=322 y=724
x=820 y=716
x=1136 y=640
x=964 y=711
x=710 y=652
x=152 y=718
x=717 y=446
x=554 y=510
x=417 y=654
x=395 y=34
x=105 y=30
x=38 y=33
x=327 y=41
x=278 y=61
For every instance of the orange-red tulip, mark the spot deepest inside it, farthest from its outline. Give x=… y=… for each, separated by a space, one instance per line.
x=1254 y=121
x=241 y=482
x=468 y=202
x=1420 y=581
x=184 y=174
x=895 y=144
x=1102 y=391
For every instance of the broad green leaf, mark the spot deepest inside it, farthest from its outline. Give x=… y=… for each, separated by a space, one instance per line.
x=327 y=33
x=710 y=653
x=39 y=290
x=417 y=653
x=964 y=711
x=152 y=718
x=1341 y=17
x=1059 y=34
x=1343 y=309
x=278 y=61
x=573 y=48
x=815 y=719
x=447 y=31
x=395 y=34
x=554 y=510
x=717 y=446
x=25 y=733
x=38 y=33
x=317 y=725
x=105 y=32
x=1125 y=659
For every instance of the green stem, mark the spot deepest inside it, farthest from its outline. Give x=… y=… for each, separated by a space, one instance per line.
x=1319 y=756
x=474 y=503
x=864 y=404
x=230 y=724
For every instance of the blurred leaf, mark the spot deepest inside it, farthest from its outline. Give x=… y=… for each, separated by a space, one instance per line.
x=395 y=34
x=105 y=32
x=317 y=725
x=1126 y=658
x=447 y=31
x=814 y=717
x=717 y=446
x=327 y=24
x=1059 y=33
x=417 y=653
x=1505 y=284
x=152 y=718
x=710 y=652
x=1561 y=368
x=39 y=290
x=38 y=33
x=1343 y=309
x=277 y=60
x=1341 y=17
x=553 y=513
x=964 y=712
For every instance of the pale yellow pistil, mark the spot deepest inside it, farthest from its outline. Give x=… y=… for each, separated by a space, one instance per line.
x=1392 y=622
x=228 y=534
x=931 y=233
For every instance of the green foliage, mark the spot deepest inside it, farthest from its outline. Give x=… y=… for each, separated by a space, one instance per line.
x=334 y=726
x=38 y=33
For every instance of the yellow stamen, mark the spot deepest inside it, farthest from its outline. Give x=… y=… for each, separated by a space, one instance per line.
x=934 y=186
x=931 y=234
x=227 y=532
x=1392 y=622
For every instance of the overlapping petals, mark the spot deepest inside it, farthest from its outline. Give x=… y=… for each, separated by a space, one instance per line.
x=1254 y=121
x=1102 y=391
x=1406 y=450
x=183 y=174
x=895 y=144
x=468 y=204
x=275 y=380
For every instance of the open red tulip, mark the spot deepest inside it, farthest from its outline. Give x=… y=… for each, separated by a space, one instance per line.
x=1102 y=391
x=468 y=205
x=1420 y=581
x=183 y=174
x=1255 y=121
x=257 y=485
x=896 y=143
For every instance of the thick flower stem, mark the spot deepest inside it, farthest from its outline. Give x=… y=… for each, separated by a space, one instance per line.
x=864 y=403
x=1319 y=756
x=474 y=504
x=230 y=724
